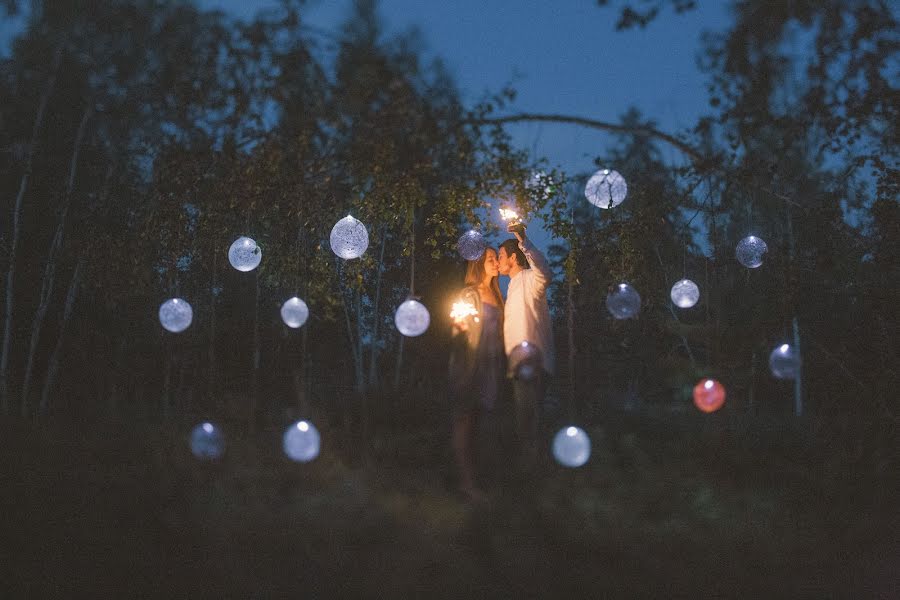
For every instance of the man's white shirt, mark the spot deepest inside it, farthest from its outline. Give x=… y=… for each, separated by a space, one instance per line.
x=526 y=313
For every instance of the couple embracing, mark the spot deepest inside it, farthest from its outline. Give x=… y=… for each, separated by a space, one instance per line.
x=503 y=339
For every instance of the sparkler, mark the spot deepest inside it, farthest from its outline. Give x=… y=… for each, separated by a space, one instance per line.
x=462 y=310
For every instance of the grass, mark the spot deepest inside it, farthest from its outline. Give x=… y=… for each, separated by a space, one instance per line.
x=661 y=510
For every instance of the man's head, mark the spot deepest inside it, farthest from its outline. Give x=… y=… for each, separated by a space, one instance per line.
x=511 y=255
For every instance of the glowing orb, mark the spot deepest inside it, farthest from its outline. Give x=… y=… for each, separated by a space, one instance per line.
x=606 y=189
x=685 y=293
x=571 y=447
x=301 y=442
x=709 y=395
x=623 y=302
x=525 y=361
x=207 y=441
x=784 y=362
x=175 y=315
x=244 y=254
x=349 y=238
x=749 y=251
x=412 y=318
x=471 y=245
x=294 y=312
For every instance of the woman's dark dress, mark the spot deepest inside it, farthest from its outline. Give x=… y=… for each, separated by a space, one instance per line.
x=477 y=359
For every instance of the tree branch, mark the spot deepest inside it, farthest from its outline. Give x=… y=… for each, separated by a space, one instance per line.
x=687 y=149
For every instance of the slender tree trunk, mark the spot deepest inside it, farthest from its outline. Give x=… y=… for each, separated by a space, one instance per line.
x=376 y=317
x=16 y=229
x=53 y=366
x=360 y=369
x=212 y=389
x=798 y=380
x=570 y=325
x=49 y=279
x=399 y=366
x=254 y=392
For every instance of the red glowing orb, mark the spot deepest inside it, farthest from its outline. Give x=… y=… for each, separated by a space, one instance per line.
x=709 y=395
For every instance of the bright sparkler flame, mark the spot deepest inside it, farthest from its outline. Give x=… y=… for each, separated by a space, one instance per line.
x=461 y=310
x=507 y=214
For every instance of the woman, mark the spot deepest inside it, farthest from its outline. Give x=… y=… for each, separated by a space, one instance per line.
x=477 y=363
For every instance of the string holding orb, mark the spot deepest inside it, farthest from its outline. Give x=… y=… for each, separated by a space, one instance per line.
x=623 y=302
x=606 y=189
x=471 y=245
x=294 y=312
x=709 y=395
x=784 y=362
x=750 y=250
x=207 y=441
x=175 y=315
x=349 y=238
x=685 y=293
x=412 y=318
x=244 y=254
x=571 y=447
x=301 y=442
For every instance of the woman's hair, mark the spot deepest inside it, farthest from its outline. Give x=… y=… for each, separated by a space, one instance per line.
x=475 y=275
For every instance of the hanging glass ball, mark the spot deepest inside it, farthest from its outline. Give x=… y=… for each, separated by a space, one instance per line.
x=709 y=395
x=175 y=315
x=349 y=238
x=525 y=361
x=623 y=302
x=471 y=245
x=750 y=250
x=244 y=254
x=606 y=189
x=207 y=441
x=412 y=318
x=294 y=312
x=571 y=447
x=301 y=442
x=784 y=362
x=685 y=293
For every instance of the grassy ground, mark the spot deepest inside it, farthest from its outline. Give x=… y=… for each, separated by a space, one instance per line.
x=116 y=511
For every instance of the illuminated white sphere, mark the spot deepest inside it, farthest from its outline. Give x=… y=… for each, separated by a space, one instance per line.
x=685 y=293
x=606 y=189
x=175 y=315
x=750 y=250
x=412 y=318
x=623 y=302
x=784 y=362
x=525 y=361
x=349 y=238
x=471 y=245
x=294 y=312
x=244 y=254
x=207 y=441
x=301 y=442
x=571 y=447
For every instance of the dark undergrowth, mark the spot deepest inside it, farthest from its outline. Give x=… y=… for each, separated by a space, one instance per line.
x=663 y=509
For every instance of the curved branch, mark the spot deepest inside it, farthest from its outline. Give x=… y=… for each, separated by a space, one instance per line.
x=670 y=139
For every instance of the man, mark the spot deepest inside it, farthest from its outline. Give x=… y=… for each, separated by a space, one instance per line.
x=526 y=325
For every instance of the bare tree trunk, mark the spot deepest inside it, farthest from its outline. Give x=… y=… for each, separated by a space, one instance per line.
x=570 y=325
x=53 y=366
x=399 y=366
x=49 y=280
x=212 y=388
x=16 y=229
x=254 y=392
x=376 y=317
